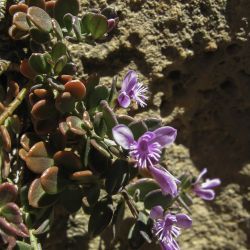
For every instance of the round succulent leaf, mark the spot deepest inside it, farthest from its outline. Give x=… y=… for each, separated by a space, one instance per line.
x=39 y=36
x=117 y=176
x=20 y=7
x=28 y=140
x=68 y=22
x=58 y=50
x=63 y=128
x=20 y=21
x=67 y=161
x=91 y=83
x=43 y=109
x=98 y=94
x=63 y=7
x=38 y=158
x=138 y=128
x=26 y=70
x=38 y=62
x=142 y=187
x=40 y=18
x=8 y=193
x=60 y=64
x=84 y=177
x=156 y=198
x=5 y=138
x=65 y=102
x=76 y=88
x=37 y=3
x=101 y=216
x=69 y=69
x=38 y=197
x=12 y=229
x=75 y=125
x=53 y=181
x=22 y=153
x=56 y=28
x=96 y=24
x=11 y=212
x=17 y=34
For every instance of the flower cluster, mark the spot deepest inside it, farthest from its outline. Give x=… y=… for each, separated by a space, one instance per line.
x=146 y=152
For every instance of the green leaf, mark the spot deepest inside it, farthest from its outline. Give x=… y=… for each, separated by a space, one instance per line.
x=138 y=128
x=101 y=217
x=39 y=36
x=39 y=63
x=40 y=19
x=57 y=29
x=98 y=94
x=58 y=50
x=63 y=7
x=117 y=176
x=20 y=245
x=60 y=64
x=156 y=198
x=140 y=232
x=96 y=24
x=11 y=213
x=109 y=117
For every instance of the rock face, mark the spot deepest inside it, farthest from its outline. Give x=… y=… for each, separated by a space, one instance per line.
x=195 y=57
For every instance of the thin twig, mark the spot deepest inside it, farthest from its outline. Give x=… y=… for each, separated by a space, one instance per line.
x=13 y=105
x=130 y=203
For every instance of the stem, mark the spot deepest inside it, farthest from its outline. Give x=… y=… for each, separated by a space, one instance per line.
x=13 y=105
x=33 y=241
x=130 y=203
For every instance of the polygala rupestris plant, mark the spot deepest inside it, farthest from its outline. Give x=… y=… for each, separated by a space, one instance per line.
x=68 y=143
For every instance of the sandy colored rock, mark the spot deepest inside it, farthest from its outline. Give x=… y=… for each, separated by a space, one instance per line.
x=195 y=57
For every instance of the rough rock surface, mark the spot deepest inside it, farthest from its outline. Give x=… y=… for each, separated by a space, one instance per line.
x=195 y=57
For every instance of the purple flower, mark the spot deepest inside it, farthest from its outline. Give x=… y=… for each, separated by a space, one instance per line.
x=205 y=190
x=132 y=90
x=167 y=227
x=147 y=149
x=112 y=23
x=167 y=181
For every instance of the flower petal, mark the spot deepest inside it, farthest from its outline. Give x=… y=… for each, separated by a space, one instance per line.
x=166 y=181
x=129 y=81
x=211 y=183
x=205 y=194
x=165 y=135
x=202 y=173
x=123 y=136
x=124 y=100
x=156 y=212
x=183 y=221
